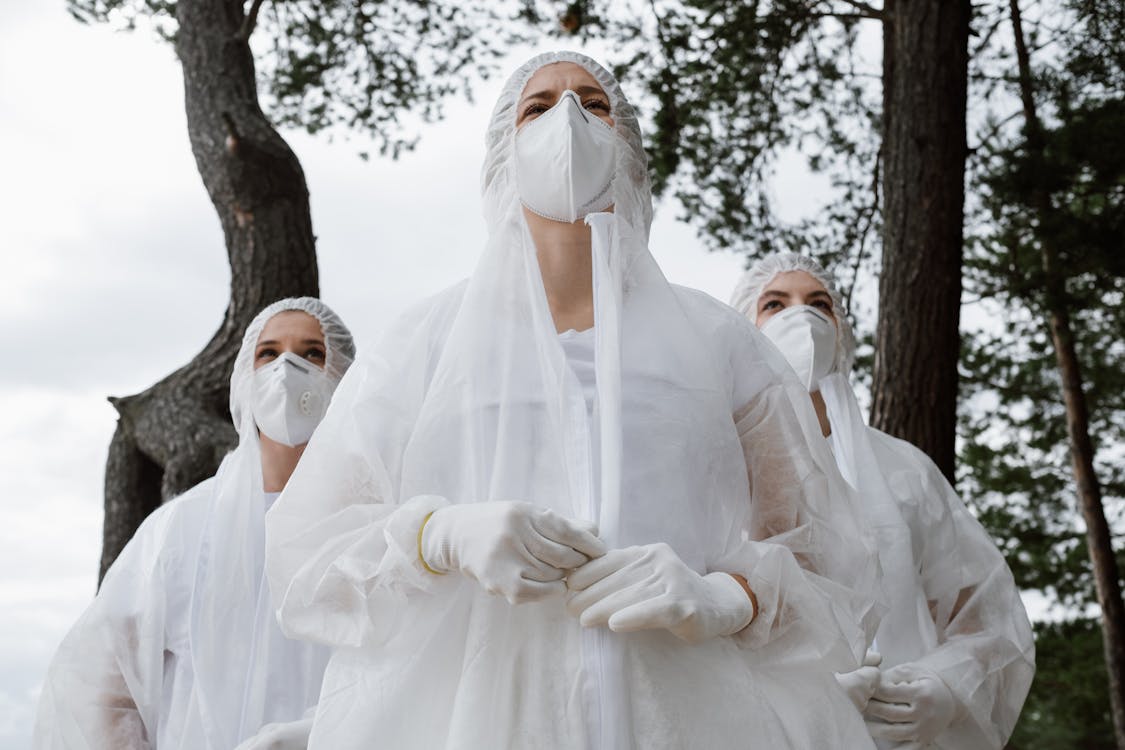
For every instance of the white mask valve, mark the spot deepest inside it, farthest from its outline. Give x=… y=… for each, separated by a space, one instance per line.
x=290 y=397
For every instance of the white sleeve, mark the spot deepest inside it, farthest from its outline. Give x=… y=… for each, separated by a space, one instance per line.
x=104 y=687
x=803 y=549
x=986 y=650
x=341 y=545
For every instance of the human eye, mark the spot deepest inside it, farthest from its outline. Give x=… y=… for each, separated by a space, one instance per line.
x=823 y=305
x=535 y=108
x=596 y=104
x=315 y=354
x=266 y=354
x=772 y=304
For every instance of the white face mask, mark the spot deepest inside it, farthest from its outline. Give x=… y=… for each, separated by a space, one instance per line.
x=565 y=160
x=290 y=396
x=807 y=338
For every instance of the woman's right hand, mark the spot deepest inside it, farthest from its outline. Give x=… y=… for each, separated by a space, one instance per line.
x=860 y=684
x=517 y=550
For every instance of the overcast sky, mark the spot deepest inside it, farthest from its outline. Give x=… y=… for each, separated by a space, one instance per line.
x=115 y=274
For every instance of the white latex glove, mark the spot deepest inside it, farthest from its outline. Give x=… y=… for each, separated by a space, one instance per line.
x=649 y=587
x=291 y=735
x=516 y=550
x=860 y=684
x=911 y=705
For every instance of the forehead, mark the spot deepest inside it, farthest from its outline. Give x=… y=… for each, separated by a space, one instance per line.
x=795 y=282
x=558 y=77
x=291 y=323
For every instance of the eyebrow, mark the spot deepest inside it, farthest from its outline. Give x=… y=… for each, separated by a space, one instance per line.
x=273 y=342
x=778 y=294
x=547 y=94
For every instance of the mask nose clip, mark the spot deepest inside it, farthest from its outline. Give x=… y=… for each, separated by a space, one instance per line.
x=568 y=94
x=294 y=363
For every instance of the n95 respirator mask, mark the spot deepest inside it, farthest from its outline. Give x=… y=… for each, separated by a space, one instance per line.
x=290 y=396
x=807 y=338
x=565 y=160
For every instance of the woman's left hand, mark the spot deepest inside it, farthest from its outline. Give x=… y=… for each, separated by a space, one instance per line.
x=649 y=587
x=912 y=705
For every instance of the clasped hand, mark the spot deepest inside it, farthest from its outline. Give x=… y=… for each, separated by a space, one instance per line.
x=860 y=684
x=516 y=550
x=910 y=705
x=649 y=587
x=525 y=553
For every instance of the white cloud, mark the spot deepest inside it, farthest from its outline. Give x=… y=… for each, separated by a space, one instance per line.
x=52 y=452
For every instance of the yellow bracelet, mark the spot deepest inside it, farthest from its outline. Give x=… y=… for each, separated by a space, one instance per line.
x=421 y=559
x=749 y=592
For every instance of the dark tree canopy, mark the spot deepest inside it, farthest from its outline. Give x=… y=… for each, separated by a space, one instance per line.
x=731 y=88
x=342 y=64
x=1045 y=416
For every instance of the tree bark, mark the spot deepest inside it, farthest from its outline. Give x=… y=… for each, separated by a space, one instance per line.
x=174 y=434
x=1099 y=540
x=925 y=79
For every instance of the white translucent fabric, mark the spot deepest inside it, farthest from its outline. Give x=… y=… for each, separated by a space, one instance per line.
x=953 y=605
x=578 y=346
x=469 y=398
x=180 y=648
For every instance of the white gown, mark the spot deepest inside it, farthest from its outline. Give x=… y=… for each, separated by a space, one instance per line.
x=125 y=677
x=953 y=605
x=699 y=437
x=180 y=648
x=428 y=662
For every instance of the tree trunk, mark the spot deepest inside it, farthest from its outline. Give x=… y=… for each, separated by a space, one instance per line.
x=174 y=434
x=925 y=78
x=1099 y=542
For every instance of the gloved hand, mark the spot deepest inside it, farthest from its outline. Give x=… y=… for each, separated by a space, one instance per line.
x=649 y=587
x=860 y=684
x=912 y=705
x=290 y=735
x=516 y=550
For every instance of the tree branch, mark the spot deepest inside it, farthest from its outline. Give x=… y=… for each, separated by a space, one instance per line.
x=843 y=16
x=867 y=11
x=868 y=221
x=986 y=136
x=861 y=11
x=250 y=21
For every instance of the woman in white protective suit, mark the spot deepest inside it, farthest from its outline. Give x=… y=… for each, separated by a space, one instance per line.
x=180 y=648
x=956 y=646
x=564 y=504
